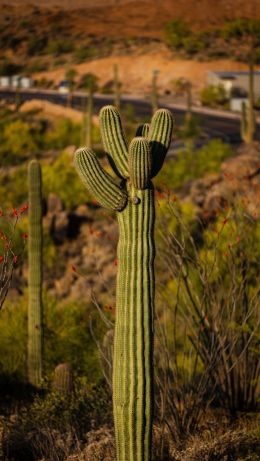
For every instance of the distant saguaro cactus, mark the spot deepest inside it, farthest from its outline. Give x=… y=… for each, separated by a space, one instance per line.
x=117 y=88
x=247 y=125
x=63 y=379
x=132 y=197
x=154 y=96
x=35 y=308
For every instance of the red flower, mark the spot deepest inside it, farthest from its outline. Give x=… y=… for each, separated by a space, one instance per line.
x=15 y=258
x=1 y=258
x=24 y=208
x=24 y=236
x=224 y=221
x=73 y=268
x=116 y=263
x=15 y=212
x=1 y=213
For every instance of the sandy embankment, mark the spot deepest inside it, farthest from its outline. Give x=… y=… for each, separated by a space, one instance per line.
x=54 y=111
x=136 y=71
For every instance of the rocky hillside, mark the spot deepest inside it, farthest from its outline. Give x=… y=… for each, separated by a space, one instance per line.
x=120 y=18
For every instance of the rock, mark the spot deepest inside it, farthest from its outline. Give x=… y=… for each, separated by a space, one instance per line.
x=239 y=178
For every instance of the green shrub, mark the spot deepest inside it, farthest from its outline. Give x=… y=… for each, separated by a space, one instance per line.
x=77 y=410
x=36 y=45
x=67 y=337
x=61 y=179
x=58 y=47
x=9 y=68
x=192 y=44
x=14 y=188
x=85 y=52
x=191 y=164
x=18 y=141
x=176 y=32
x=213 y=96
x=62 y=134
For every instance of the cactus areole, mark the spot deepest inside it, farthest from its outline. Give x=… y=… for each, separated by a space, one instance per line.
x=132 y=197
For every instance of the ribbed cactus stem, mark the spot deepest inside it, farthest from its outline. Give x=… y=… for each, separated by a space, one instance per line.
x=63 y=379
x=35 y=308
x=133 y=341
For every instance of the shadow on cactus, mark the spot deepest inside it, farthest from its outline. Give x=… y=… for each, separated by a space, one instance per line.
x=131 y=195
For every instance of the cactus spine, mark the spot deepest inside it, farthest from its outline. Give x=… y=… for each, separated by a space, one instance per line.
x=35 y=309
x=133 y=199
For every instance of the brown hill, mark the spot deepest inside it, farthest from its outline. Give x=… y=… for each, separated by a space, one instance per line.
x=120 y=18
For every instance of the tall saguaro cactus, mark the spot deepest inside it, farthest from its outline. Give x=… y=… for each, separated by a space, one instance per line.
x=132 y=197
x=35 y=309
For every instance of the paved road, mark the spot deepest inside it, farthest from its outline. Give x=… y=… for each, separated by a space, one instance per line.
x=216 y=124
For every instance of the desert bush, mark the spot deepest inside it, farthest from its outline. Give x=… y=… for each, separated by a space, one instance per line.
x=57 y=47
x=85 y=52
x=176 y=32
x=11 y=247
x=36 y=45
x=9 y=68
x=193 y=44
x=215 y=289
x=18 y=142
x=67 y=337
x=58 y=176
x=191 y=164
x=62 y=134
x=52 y=426
x=213 y=96
x=14 y=188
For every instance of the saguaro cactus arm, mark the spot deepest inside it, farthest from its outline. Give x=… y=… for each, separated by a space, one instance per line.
x=98 y=181
x=159 y=137
x=114 y=140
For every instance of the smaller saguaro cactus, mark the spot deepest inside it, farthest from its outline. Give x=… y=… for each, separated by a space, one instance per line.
x=63 y=379
x=87 y=121
x=154 y=96
x=247 y=126
x=117 y=88
x=35 y=307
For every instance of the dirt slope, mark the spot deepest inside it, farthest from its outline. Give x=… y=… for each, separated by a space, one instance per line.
x=136 y=71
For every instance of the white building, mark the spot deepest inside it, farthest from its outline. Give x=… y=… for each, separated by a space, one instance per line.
x=238 y=80
x=5 y=82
